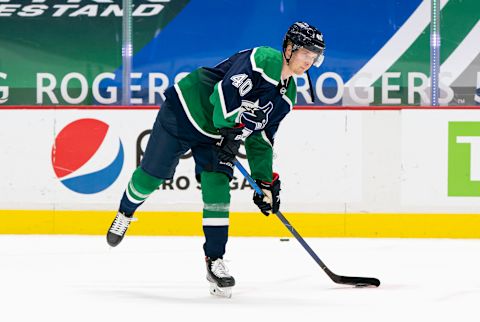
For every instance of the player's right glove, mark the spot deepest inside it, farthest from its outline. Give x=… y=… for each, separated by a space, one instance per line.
x=229 y=143
x=270 y=200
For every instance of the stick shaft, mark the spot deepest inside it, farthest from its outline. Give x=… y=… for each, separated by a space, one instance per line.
x=281 y=217
x=350 y=280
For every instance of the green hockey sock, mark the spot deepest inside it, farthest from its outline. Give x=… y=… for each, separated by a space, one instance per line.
x=216 y=198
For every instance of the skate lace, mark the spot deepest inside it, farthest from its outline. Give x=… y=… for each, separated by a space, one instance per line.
x=219 y=268
x=121 y=223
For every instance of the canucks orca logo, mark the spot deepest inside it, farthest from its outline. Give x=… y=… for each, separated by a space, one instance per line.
x=255 y=117
x=86 y=156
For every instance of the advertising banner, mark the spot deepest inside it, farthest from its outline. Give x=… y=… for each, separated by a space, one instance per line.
x=329 y=161
x=369 y=173
x=440 y=159
x=69 y=51
x=83 y=159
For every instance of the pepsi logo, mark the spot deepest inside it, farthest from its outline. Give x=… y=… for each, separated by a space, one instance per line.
x=87 y=157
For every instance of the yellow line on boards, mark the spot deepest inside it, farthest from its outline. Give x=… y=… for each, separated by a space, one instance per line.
x=85 y=222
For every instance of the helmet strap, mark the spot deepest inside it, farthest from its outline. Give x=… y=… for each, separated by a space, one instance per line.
x=284 y=55
x=311 y=87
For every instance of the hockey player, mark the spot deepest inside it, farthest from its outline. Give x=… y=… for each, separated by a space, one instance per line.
x=211 y=111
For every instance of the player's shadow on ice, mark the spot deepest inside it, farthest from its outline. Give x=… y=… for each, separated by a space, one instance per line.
x=279 y=293
x=203 y=297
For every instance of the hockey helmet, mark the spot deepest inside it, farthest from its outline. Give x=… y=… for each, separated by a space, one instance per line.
x=301 y=34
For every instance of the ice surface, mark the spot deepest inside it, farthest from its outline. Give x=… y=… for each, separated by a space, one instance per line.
x=79 y=278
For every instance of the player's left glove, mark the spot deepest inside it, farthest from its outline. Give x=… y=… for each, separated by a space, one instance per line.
x=269 y=202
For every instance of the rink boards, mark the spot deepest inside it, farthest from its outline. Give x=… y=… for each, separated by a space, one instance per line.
x=345 y=172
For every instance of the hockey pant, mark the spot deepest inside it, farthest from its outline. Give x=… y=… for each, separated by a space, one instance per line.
x=216 y=204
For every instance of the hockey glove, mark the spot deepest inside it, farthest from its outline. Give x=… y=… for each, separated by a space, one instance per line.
x=229 y=143
x=269 y=202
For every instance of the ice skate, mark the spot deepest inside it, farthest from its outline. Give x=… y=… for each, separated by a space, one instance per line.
x=221 y=283
x=119 y=228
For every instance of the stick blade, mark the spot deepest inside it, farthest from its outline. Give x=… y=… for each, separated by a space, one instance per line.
x=358 y=281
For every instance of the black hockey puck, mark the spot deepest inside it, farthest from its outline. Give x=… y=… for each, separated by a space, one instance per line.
x=284 y=239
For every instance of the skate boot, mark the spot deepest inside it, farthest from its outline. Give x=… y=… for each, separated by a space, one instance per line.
x=221 y=282
x=119 y=228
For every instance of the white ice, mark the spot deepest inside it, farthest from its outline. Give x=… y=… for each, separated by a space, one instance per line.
x=79 y=278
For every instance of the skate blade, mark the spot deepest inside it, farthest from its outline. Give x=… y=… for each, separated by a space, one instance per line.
x=225 y=292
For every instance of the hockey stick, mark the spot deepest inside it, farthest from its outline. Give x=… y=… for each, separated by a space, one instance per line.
x=350 y=280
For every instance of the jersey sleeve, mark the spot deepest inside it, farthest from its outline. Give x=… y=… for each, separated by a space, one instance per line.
x=259 y=147
x=229 y=92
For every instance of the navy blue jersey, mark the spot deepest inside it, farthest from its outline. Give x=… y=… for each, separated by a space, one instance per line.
x=216 y=97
